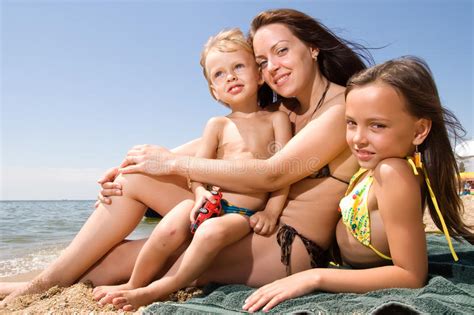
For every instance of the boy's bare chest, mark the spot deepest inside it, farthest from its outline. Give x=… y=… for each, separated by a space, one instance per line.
x=246 y=138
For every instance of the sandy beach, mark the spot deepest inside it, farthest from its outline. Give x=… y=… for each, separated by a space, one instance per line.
x=78 y=298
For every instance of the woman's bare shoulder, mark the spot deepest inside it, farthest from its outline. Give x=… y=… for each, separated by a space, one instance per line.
x=336 y=95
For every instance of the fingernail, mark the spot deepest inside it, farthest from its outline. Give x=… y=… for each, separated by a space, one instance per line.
x=118 y=192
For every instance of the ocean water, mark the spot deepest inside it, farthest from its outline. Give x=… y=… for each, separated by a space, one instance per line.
x=33 y=233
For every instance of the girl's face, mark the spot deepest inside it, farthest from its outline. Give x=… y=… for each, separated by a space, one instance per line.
x=285 y=61
x=379 y=125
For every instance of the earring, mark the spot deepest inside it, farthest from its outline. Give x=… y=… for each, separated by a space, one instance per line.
x=418 y=162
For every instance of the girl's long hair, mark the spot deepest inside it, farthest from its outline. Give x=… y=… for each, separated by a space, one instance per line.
x=338 y=59
x=412 y=78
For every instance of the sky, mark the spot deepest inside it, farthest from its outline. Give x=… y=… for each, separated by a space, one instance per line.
x=84 y=81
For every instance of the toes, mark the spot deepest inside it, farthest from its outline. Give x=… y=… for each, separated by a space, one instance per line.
x=120 y=302
x=128 y=308
x=106 y=299
x=98 y=294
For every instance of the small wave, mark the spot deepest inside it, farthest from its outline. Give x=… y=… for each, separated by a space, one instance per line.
x=32 y=261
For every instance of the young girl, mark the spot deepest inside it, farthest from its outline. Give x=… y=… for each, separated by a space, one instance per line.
x=397 y=130
x=234 y=79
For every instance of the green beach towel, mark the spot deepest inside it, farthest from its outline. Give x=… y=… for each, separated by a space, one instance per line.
x=450 y=290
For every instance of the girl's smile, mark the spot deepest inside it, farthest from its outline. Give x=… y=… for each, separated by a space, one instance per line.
x=378 y=124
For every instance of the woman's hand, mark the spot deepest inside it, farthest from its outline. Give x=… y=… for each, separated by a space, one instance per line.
x=202 y=195
x=264 y=222
x=147 y=159
x=272 y=294
x=109 y=188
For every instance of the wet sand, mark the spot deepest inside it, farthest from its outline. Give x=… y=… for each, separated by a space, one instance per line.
x=78 y=298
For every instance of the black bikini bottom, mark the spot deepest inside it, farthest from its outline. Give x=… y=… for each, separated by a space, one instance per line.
x=285 y=237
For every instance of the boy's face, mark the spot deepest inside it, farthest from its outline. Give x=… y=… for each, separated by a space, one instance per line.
x=234 y=76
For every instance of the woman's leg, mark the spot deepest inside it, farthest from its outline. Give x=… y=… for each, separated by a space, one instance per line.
x=167 y=237
x=211 y=237
x=255 y=261
x=107 y=226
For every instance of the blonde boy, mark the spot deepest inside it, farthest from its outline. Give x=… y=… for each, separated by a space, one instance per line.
x=246 y=133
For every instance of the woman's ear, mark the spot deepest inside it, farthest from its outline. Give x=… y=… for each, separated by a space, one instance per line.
x=260 y=79
x=422 y=129
x=314 y=52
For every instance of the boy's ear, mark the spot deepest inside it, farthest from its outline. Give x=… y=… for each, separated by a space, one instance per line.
x=213 y=92
x=422 y=129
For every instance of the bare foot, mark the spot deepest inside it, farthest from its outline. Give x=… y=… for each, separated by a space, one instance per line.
x=32 y=287
x=130 y=300
x=101 y=293
x=7 y=288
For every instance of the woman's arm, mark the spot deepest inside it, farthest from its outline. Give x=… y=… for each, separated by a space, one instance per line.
x=320 y=142
x=402 y=217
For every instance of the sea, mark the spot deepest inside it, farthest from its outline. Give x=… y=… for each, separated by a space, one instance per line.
x=33 y=233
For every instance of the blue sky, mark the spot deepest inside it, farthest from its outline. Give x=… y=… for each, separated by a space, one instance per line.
x=83 y=81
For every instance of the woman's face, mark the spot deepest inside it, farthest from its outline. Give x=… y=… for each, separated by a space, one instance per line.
x=286 y=62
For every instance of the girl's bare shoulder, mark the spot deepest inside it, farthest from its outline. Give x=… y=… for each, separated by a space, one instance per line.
x=395 y=171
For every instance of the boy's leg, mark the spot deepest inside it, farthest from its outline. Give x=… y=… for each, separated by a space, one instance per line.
x=212 y=236
x=167 y=237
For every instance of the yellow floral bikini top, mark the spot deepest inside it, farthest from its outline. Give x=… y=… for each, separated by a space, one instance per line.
x=355 y=212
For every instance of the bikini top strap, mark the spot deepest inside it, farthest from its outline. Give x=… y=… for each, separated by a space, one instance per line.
x=435 y=203
x=354 y=180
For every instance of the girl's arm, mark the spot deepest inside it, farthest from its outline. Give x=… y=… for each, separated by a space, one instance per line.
x=399 y=202
x=265 y=222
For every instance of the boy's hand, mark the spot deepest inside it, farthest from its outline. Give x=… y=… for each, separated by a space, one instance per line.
x=202 y=195
x=263 y=222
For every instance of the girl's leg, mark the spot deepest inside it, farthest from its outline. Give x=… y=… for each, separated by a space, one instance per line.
x=167 y=237
x=210 y=238
x=107 y=226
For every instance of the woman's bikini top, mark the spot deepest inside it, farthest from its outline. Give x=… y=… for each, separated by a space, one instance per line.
x=355 y=212
x=326 y=172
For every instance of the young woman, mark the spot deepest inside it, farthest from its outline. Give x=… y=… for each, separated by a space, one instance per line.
x=308 y=66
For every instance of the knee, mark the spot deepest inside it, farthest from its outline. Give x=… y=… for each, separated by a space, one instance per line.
x=166 y=232
x=130 y=182
x=210 y=235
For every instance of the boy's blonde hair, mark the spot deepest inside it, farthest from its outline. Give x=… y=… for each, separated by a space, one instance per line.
x=228 y=40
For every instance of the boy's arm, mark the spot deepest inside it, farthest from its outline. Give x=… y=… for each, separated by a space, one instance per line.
x=265 y=222
x=207 y=149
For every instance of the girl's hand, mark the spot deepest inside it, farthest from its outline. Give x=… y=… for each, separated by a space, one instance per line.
x=109 y=188
x=272 y=294
x=147 y=159
x=202 y=195
x=263 y=222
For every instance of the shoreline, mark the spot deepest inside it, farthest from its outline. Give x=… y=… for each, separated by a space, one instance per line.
x=78 y=298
